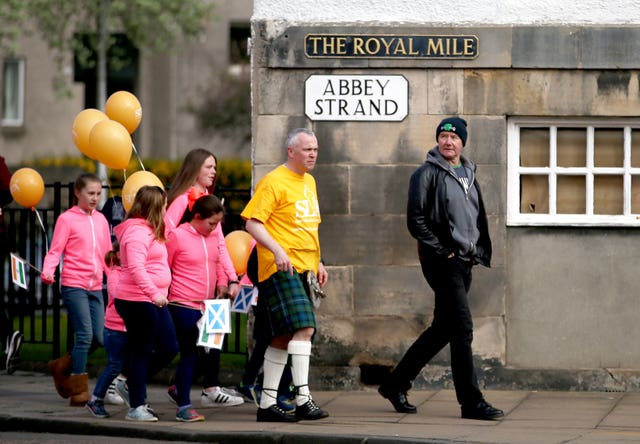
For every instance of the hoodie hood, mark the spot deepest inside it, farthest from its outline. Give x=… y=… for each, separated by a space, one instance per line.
x=119 y=229
x=434 y=157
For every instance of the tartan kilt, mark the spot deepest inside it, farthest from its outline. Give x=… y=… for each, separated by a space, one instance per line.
x=283 y=305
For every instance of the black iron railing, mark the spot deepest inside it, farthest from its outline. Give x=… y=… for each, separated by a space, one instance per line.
x=38 y=311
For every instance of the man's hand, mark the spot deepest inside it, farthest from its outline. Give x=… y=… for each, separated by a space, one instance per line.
x=323 y=276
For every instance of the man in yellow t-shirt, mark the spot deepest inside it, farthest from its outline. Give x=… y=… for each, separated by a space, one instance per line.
x=283 y=216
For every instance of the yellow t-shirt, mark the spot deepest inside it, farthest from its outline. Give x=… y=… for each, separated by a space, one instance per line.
x=287 y=204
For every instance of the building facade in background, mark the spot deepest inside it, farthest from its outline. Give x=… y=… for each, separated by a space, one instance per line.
x=551 y=94
x=176 y=91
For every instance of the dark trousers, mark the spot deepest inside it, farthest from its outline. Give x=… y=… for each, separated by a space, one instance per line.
x=185 y=320
x=152 y=344
x=450 y=279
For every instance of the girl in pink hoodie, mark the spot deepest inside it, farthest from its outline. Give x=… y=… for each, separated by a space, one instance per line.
x=194 y=258
x=141 y=295
x=81 y=235
x=115 y=337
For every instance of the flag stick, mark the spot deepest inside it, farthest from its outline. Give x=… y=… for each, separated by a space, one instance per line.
x=28 y=263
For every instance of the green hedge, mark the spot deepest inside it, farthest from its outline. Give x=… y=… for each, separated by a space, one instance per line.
x=232 y=173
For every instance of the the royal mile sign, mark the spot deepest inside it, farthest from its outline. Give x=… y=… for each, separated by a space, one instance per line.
x=391 y=46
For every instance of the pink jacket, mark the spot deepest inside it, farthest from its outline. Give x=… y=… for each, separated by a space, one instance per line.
x=112 y=319
x=145 y=271
x=83 y=239
x=171 y=220
x=195 y=263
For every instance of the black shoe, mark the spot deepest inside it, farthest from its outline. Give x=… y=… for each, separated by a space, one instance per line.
x=398 y=399
x=13 y=350
x=310 y=410
x=482 y=410
x=274 y=414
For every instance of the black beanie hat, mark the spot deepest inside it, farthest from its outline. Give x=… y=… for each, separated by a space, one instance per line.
x=453 y=125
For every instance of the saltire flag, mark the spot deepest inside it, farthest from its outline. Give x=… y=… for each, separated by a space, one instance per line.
x=217 y=316
x=19 y=271
x=245 y=299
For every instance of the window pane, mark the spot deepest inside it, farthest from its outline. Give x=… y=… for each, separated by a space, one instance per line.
x=608 y=195
x=572 y=147
x=635 y=148
x=534 y=194
x=534 y=147
x=11 y=90
x=635 y=194
x=608 y=147
x=571 y=195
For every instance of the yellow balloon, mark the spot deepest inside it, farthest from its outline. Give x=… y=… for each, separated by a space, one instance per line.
x=124 y=107
x=239 y=247
x=27 y=187
x=111 y=142
x=82 y=125
x=136 y=181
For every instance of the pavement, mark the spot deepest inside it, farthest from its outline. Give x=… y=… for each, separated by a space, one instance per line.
x=29 y=402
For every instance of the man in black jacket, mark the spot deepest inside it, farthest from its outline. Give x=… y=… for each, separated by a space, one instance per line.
x=446 y=215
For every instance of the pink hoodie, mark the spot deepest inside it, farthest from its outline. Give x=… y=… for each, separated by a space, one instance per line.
x=195 y=263
x=112 y=319
x=145 y=271
x=172 y=219
x=83 y=239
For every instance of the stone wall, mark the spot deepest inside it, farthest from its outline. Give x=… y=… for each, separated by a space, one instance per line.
x=527 y=322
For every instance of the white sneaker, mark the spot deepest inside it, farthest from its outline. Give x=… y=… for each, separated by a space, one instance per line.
x=122 y=390
x=112 y=396
x=218 y=398
x=141 y=413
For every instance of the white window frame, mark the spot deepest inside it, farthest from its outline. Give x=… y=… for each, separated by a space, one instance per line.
x=514 y=170
x=18 y=120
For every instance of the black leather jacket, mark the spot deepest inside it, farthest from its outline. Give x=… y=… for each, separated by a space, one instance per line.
x=427 y=217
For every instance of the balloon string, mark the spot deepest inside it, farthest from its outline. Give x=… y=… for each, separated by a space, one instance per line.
x=44 y=232
x=138 y=156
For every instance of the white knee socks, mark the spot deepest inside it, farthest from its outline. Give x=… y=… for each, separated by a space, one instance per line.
x=300 y=352
x=274 y=362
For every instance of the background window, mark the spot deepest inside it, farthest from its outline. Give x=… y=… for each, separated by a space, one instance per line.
x=12 y=92
x=569 y=172
x=239 y=34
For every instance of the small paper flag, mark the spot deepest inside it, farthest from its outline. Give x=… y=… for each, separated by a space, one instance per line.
x=244 y=300
x=18 y=271
x=213 y=340
x=217 y=316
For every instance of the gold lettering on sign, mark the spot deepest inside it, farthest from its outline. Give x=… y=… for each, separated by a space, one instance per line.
x=391 y=46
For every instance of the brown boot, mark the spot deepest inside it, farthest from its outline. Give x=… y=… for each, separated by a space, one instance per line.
x=79 y=390
x=60 y=369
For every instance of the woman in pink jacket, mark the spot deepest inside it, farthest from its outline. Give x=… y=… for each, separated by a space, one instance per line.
x=197 y=177
x=82 y=236
x=141 y=296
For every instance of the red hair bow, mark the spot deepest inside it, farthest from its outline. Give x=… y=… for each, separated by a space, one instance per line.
x=194 y=194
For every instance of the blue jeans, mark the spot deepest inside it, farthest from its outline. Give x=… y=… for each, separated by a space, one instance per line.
x=86 y=312
x=115 y=343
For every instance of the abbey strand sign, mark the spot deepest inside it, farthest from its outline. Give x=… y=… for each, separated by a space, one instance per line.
x=357 y=97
